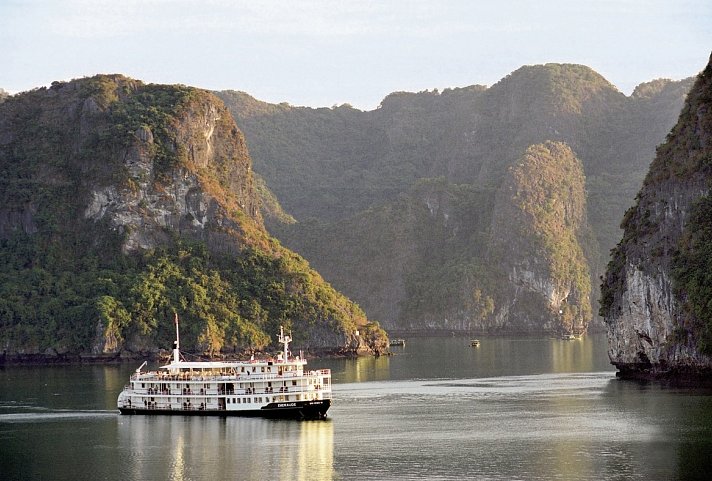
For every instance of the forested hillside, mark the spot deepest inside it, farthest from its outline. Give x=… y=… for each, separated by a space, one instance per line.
x=124 y=203
x=355 y=181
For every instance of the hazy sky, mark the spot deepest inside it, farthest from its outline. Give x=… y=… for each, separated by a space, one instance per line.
x=321 y=52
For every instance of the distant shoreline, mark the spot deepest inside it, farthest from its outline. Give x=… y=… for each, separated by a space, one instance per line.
x=405 y=333
x=39 y=359
x=9 y=360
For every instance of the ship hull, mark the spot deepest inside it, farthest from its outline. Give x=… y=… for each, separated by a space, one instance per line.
x=307 y=410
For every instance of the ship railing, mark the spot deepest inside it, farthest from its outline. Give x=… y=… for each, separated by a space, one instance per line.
x=238 y=377
x=195 y=377
x=300 y=388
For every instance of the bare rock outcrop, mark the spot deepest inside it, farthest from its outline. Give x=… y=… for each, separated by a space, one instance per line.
x=538 y=227
x=652 y=291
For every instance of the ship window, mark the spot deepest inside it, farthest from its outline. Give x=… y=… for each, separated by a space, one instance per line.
x=326 y=381
x=228 y=400
x=294 y=383
x=254 y=368
x=263 y=369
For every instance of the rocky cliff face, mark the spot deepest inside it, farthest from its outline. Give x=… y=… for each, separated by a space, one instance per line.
x=123 y=202
x=538 y=224
x=655 y=295
x=149 y=204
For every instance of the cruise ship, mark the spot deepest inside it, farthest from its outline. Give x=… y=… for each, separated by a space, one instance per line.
x=274 y=388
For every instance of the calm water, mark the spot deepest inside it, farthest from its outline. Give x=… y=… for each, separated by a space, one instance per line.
x=438 y=409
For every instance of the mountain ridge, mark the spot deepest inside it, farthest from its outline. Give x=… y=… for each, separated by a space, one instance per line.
x=371 y=163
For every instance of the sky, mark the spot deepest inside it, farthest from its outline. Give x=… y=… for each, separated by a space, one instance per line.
x=322 y=53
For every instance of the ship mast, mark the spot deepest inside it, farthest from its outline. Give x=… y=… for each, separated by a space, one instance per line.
x=284 y=340
x=176 y=345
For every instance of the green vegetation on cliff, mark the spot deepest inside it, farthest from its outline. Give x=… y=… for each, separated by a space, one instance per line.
x=692 y=274
x=436 y=248
x=540 y=233
x=51 y=299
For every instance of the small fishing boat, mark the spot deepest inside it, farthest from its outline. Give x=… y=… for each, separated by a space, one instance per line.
x=397 y=342
x=273 y=388
x=474 y=342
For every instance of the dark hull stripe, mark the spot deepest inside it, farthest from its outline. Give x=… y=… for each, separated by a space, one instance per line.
x=284 y=410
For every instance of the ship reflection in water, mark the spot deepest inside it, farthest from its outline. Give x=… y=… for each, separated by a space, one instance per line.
x=226 y=448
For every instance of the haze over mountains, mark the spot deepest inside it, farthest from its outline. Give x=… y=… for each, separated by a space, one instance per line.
x=472 y=209
x=397 y=207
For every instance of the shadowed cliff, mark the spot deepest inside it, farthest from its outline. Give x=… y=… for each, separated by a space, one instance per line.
x=657 y=290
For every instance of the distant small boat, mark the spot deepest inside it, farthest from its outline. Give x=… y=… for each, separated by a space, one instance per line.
x=474 y=342
x=568 y=337
x=397 y=342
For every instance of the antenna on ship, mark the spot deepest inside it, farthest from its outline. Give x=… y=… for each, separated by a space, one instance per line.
x=284 y=340
x=176 y=345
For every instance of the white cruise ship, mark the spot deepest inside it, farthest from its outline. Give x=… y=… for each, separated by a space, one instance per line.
x=274 y=388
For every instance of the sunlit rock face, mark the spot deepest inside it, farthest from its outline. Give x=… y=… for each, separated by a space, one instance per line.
x=538 y=227
x=654 y=328
x=149 y=204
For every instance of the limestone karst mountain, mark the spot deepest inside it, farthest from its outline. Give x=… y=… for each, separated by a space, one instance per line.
x=538 y=240
x=657 y=289
x=124 y=202
x=395 y=206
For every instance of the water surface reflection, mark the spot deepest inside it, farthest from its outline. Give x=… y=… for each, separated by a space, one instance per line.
x=226 y=448
x=536 y=409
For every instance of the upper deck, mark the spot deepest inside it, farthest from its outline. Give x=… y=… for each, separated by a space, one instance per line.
x=230 y=371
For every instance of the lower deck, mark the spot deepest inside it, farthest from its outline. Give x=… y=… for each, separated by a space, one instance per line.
x=277 y=410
